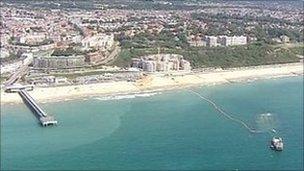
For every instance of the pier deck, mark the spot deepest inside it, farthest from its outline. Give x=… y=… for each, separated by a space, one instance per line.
x=44 y=119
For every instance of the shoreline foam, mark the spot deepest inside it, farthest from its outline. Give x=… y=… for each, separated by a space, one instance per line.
x=156 y=83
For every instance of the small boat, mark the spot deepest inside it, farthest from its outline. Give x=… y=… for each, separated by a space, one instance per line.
x=276 y=144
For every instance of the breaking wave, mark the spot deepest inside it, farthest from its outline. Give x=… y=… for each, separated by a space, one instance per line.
x=126 y=96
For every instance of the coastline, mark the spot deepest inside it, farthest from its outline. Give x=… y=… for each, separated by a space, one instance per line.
x=158 y=82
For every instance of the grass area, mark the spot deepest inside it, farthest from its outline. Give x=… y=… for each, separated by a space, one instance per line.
x=297 y=50
x=225 y=57
x=2 y=79
x=239 y=56
x=125 y=56
x=260 y=53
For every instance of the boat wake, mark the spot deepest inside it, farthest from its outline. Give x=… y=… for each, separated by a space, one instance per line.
x=267 y=122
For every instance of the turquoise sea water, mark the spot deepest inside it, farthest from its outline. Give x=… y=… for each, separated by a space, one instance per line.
x=170 y=130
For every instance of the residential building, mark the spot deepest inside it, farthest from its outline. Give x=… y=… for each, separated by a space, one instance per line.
x=161 y=63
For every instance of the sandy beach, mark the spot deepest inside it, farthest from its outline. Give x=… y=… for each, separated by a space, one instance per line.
x=153 y=82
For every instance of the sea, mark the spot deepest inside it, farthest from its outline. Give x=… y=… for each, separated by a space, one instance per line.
x=168 y=130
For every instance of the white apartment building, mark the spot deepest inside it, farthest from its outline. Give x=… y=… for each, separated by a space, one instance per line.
x=161 y=63
x=211 y=41
x=185 y=65
x=99 y=41
x=33 y=38
x=232 y=41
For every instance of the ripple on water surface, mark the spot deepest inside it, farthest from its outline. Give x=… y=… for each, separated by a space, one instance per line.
x=174 y=130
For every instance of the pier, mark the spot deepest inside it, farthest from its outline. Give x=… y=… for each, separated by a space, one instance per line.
x=44 y=119
x=11 y=87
